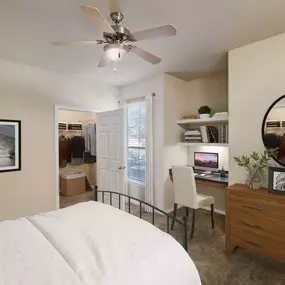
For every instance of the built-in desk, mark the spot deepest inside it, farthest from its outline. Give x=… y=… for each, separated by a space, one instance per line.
x=214 y=180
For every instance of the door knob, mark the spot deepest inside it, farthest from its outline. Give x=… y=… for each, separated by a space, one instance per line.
x=121 y=167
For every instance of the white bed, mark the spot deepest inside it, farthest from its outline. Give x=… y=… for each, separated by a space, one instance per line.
x=91 y=244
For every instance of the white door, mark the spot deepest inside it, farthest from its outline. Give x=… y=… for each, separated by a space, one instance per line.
x=110 y=151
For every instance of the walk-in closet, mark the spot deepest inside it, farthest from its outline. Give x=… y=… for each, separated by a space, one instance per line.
x=77 y=156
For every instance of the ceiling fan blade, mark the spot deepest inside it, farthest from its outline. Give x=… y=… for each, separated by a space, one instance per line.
x=114 y=7
x=105 y=61
x=69 y=42
x=145 y=55
x=95 y=15
x=163 y=31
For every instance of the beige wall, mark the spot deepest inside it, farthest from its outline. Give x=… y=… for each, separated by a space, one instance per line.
x=256 y=80
x=175 y=106
x=211 y=91
x=29 y=94
x=74 y=116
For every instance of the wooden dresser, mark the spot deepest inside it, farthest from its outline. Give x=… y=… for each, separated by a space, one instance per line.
x=255 y=220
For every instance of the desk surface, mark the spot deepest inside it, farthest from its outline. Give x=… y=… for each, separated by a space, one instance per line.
x=213 y=178
x=209 y=179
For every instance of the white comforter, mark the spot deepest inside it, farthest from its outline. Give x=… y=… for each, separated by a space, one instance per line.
x=91 y=244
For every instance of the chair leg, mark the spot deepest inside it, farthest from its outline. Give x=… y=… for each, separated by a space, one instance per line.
x=212 y=215
x=193 y=224
x=187 y=212
x=174 y=215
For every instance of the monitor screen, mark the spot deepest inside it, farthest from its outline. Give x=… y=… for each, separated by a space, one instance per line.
x=206 y=160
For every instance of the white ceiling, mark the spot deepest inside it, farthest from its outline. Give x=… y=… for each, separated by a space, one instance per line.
x=207 y=29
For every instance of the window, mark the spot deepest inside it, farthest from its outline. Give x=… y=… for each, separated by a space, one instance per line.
x=136 y=140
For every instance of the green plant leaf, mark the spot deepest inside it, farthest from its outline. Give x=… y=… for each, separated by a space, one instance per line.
x=204 y=110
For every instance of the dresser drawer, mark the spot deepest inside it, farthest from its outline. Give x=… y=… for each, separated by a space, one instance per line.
x=273 y=229
x=257 y=243
x=258 y=206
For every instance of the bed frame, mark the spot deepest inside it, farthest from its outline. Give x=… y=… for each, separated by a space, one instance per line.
x=153 y=209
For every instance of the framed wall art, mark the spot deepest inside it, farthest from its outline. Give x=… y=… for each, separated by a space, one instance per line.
x=10 y=145
x=276 y=181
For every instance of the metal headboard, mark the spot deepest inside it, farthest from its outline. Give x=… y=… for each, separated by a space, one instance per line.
x=142 y=203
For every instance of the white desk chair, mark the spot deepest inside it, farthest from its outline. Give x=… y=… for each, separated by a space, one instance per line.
x=185 y=194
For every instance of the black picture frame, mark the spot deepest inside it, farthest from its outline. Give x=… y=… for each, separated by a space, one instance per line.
x=264 y=125
x=10 y=145
x=276 y=180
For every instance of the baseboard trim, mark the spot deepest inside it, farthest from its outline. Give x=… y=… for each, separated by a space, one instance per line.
x=171 y=209
x=221 y=212
x=137 y=203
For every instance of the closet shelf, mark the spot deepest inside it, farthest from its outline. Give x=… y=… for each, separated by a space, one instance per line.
x=203 y=144
x=70 y=130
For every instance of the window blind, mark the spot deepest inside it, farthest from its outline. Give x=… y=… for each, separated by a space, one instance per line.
x=136 y=139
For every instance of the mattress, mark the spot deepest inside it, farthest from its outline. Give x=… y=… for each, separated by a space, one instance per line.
x=91 y=243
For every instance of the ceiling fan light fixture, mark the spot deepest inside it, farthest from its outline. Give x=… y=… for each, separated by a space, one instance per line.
x=115 y=51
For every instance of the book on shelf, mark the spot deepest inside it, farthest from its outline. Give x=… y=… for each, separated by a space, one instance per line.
x=204 y=134
x=193 y=141
x=207 y=134
x=227 y=134
x=192 y=132
x=223 y=133
x=213 y=134
x=193 y=138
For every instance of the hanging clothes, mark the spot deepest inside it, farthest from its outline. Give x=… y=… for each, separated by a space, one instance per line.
x=64 y=151
x=85 y=134
x=88 y=158
x=77 y=146
x=89 y=133
x=92 y=138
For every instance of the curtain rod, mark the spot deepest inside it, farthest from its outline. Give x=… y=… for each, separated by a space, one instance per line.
x=138 y=98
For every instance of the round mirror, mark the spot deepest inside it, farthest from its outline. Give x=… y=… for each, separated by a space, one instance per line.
x=273 y=129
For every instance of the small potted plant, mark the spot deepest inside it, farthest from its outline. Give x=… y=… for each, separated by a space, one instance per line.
x=255 y=164
x=204 y=112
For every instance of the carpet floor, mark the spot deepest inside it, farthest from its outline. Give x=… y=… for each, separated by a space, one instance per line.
x=207 y=249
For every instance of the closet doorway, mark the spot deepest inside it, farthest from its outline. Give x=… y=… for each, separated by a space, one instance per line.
x=76 y=148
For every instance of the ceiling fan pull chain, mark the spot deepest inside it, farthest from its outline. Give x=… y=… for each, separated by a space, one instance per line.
x=119 y=52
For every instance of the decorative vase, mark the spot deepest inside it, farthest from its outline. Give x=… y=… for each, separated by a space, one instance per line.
x=253 y=179
x=204 y=116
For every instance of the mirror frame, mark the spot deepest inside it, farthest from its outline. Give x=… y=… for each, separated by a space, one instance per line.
x=264 y=122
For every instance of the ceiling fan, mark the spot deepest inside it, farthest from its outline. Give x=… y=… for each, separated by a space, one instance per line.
x=118 y=40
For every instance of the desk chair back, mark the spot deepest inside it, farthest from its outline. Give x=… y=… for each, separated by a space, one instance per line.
x=185 y=192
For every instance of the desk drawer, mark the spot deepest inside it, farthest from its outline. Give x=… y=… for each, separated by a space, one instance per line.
x=273 y=229
x=258 y=206
x=258 y=244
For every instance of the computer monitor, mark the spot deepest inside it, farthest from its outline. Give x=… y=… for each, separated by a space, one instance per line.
x=206 y=160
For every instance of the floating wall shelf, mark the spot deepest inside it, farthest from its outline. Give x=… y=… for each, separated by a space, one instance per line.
x=203 y=144
x=213 y=120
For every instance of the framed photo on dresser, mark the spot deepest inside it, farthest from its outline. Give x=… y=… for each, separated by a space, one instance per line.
x=10 y=145
x=276 y=181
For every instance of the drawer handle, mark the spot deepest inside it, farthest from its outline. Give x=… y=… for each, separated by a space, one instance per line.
x=252 y=207
x=253 y=226
x=252 y=243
